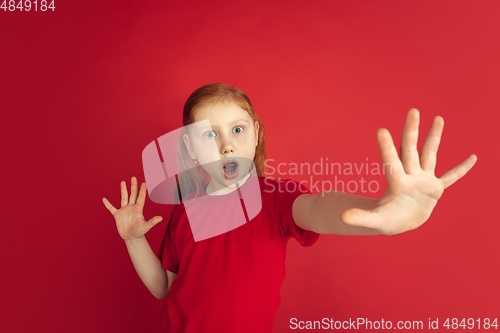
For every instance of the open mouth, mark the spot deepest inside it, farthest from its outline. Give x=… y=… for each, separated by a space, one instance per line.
x=230 y=169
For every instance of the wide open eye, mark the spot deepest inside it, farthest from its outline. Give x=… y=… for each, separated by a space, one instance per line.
x=240 y=130
x=209 y=136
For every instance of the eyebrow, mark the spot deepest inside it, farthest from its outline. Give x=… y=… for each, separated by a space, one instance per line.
x=236 y=121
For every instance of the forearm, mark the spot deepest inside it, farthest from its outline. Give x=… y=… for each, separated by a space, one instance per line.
x=148 y=266
x=324 y=210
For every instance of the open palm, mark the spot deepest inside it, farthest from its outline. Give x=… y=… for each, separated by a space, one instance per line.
x=129 y=218
x=413 y=190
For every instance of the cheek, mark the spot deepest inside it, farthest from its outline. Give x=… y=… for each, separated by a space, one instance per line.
x=205 y=149
x=204 y=144
x=247 y=140
x=201 y=148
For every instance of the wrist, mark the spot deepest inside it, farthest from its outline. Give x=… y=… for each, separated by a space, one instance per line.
x=134 y=240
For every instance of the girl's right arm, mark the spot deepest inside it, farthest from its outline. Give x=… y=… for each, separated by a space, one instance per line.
x=148 y=266
x=132 y=227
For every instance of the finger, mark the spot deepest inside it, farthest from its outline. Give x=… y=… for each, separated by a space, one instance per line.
x=133 y=191
x=393 y=169
x=142 y=195
x=109 y=206
x=123 y=186
x=431 y=145
x=458 y=171
x=409 y=152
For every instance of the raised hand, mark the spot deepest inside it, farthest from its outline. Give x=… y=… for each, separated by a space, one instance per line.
x=413 y=190
x=129 y=219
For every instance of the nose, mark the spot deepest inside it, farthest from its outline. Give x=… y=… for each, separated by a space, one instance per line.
x=227 y=146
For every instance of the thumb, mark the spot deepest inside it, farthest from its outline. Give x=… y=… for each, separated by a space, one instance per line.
x=154 y=221
x=361 y=218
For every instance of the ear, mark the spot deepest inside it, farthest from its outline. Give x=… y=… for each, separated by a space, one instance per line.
x=256 y=133
x=187 y=142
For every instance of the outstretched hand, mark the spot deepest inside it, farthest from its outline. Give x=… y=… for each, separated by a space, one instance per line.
x=413 y=190
x=129 y=219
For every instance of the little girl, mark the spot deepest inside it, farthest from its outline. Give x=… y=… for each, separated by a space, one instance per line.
x=229 y=280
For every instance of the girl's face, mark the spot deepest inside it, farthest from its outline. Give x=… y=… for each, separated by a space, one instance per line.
x=235 y=136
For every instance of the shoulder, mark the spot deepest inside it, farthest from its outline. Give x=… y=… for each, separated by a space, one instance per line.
x=177 y=214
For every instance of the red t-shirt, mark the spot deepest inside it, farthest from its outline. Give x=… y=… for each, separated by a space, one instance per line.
x=231 y=282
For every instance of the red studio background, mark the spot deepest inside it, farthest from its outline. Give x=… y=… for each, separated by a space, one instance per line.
x=85 y=87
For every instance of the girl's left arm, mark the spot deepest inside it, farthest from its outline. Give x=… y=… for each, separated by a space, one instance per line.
x=412 y=189
x=321 y=213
